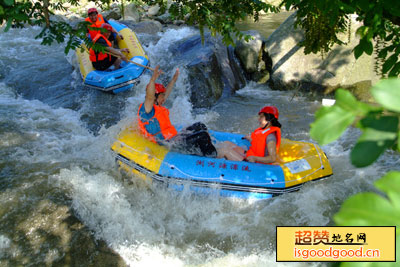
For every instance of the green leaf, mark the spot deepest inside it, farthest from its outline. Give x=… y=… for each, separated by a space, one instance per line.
x=362 y=31
x=347 y=101
x=389 y=63
x=8 y=26
x=358 y=50
x=370 y=209
x=387 y=93
x=398 y=141
x=8 y=2
x=390 y=184
x=368 y=47
x=366 y=152
x=367 y=209
x=331 y=124
x=379 y=134
x=363 y=4
x=395 y=71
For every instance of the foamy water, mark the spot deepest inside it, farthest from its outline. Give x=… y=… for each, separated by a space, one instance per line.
x=56 y=157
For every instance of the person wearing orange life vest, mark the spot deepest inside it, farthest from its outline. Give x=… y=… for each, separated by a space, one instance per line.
x=102 y=60
x=96 y=20
x=265 y=140
x=155 y=124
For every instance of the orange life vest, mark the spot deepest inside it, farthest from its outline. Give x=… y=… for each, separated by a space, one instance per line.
x=100 y=56
x=97 y=24
x=161 y=114
x=259 y=141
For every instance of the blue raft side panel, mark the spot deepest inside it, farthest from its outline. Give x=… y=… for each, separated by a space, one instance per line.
x=214 y=171
x=117 y=26
x=127 y=72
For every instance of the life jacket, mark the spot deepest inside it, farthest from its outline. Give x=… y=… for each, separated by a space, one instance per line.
x=97 y=24
x=99 y=56
x=259 y=141
x=161 y=115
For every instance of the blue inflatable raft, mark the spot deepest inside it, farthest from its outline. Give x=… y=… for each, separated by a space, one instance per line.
x=115 y=81
x=298 y=163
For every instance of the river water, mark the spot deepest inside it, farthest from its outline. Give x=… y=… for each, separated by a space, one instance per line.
x=63 y=201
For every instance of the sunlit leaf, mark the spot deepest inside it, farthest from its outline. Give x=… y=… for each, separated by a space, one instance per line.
x=330 y=126
x=387 y=93
x=347 y=101
x=390 y=184
x=370 y=209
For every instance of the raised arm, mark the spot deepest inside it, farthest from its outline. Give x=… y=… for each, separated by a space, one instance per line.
x=171 y=84
x=151 y=90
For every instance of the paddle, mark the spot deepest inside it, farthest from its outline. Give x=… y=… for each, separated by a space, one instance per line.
x=133 y=62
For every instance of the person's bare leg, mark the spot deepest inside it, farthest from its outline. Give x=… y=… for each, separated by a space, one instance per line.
x=230 y=151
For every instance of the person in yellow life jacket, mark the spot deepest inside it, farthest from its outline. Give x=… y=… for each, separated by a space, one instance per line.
x=264 y=141
x=96 y=20
x=154 y=122
x=103 y=60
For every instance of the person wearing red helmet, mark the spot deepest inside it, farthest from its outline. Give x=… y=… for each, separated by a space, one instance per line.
x=103 y=60
x=96 y=20
x=155 y=124
x=264 y=141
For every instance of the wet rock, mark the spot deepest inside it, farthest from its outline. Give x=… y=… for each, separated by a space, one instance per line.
x=294 y=70
x=153 y=11
x=213 y=69
x=253 y=57
x=112 y=14
x=148 y=27
x=164 y=18
x=131 y=13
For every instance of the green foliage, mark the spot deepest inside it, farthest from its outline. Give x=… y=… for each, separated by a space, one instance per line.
x=218 y=16
x=323 y=20
x=379 y=124
x=22 y=13
x=369 y=209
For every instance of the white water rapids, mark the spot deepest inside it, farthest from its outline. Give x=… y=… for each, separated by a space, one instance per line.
x=55 y=139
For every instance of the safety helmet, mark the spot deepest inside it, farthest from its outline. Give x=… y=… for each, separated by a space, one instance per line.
x=92 y=10
x=270 y=109
x=160 y=88
x=106 y=26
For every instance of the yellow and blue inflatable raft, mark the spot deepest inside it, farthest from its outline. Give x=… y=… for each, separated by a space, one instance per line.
x=299 y=162
x=117 y=80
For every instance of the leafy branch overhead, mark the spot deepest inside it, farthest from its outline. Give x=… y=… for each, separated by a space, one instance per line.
x=321 y=21
x=379 y=124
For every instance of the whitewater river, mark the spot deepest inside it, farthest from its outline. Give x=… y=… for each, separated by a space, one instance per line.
x=63 y=201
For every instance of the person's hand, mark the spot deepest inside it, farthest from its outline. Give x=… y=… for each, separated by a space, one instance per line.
x=176 y=75
x=248 y=137
x=124 y=58
x=251 y=159
x=121 y=37
x=126 y=50
x=156 y=73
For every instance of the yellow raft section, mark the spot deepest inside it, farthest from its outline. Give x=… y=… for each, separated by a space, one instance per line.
x=133 y=146
x=130 y=41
